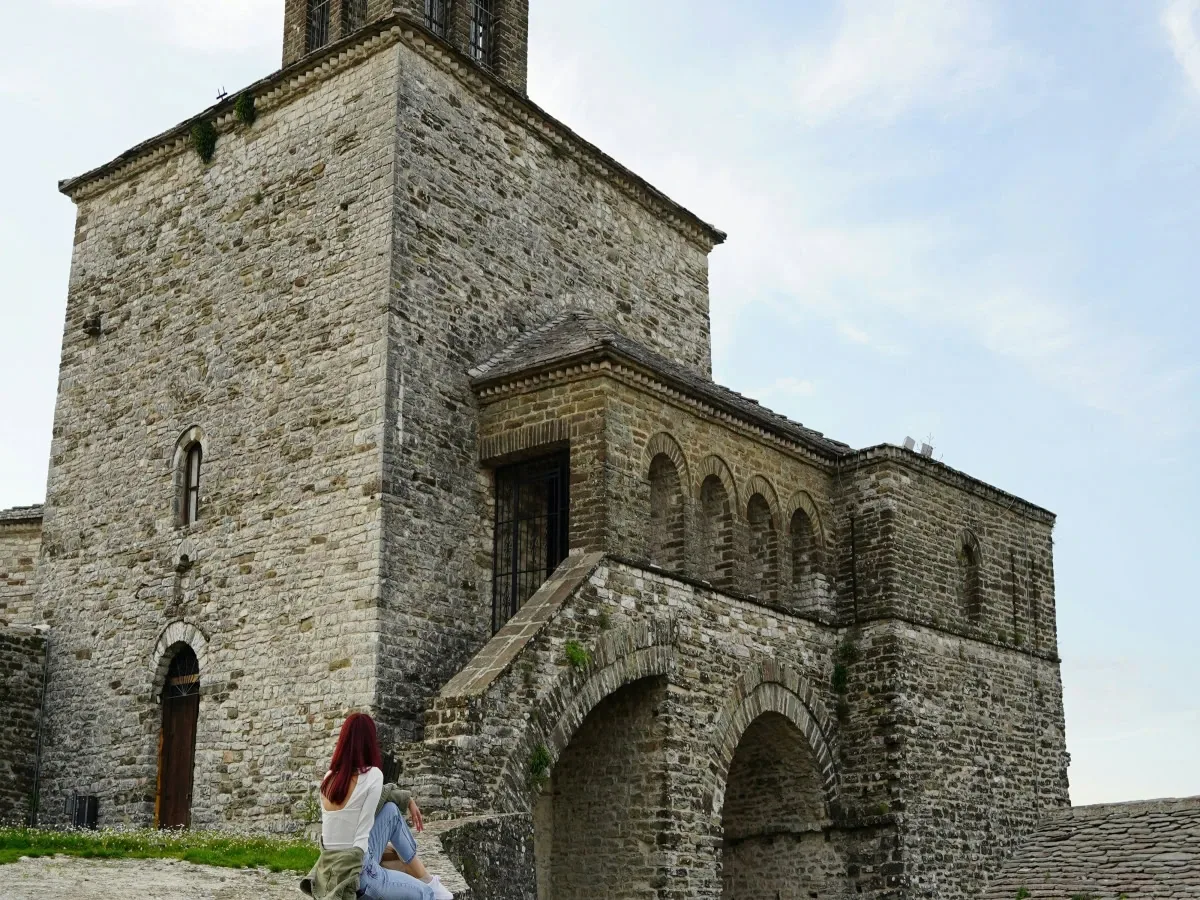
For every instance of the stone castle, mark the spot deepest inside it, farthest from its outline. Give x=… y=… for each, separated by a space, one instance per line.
x=381 y=389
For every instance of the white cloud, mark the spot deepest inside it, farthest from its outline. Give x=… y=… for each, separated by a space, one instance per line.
x=891 y=56
x=1179 y=19
x=215 y=26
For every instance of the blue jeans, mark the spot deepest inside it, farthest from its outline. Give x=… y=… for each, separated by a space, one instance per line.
x=379 y=883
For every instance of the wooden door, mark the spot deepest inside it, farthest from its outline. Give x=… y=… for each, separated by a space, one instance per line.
x=181 y=711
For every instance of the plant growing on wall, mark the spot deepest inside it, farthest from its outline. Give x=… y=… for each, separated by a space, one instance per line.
x=204 y=140
x=243 y=108
x=539 y=766
x=577 y=656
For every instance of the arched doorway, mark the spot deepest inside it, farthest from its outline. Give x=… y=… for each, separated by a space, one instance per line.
x=775 y=822
x=177 y=749
x=597 y=819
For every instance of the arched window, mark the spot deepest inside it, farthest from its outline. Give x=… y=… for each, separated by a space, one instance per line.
x=665 y=540
x=716 y=540
x=190 y=507
x=764 y=549
x=808 y=579
x=970 y=578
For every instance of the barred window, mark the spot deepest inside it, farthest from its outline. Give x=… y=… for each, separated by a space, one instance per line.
x=354 y=15
x=437 y=15
x=483 y=33
x=318 y=24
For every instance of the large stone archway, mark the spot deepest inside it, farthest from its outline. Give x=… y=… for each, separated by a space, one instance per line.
x=598 y=817
x=776 y=790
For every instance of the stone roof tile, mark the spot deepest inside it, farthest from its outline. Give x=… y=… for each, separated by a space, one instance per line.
x=1144 y=849
x=573 y=336
x=21 y=514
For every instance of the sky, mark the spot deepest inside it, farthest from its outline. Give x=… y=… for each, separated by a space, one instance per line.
x=969 y=221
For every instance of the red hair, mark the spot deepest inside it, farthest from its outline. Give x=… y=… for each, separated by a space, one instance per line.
x=357 y=750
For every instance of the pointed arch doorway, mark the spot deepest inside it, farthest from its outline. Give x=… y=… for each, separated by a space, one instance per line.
x=177 y=749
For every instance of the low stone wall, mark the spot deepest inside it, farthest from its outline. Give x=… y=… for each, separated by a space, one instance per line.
x=22 y=666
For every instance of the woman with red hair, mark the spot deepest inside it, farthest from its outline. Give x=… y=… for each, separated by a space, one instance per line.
x=361 y=821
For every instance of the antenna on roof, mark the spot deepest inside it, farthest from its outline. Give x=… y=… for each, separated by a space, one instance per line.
x=910 y=444
x=222 y=94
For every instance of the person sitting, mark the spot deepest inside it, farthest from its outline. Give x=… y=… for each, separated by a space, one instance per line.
x=367 y=848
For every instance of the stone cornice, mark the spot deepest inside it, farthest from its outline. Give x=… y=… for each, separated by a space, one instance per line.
x=606 y=362
x=281 y=87
x=946 y=474
x=21 y=517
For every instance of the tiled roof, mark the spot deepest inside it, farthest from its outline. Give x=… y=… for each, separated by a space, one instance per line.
x=575 y=336
x=20 y=514
x=1145 y=849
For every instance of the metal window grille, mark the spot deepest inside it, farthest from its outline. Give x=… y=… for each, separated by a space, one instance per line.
x=354 y=15
x=318 y=24
x=191 y=485
x=437 y=16
x=532 y=531
x=83 y=811
x=483 y=33
x=183 y=676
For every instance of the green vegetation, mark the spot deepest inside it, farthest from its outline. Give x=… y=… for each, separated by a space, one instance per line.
x=204 y=140
x=539 y=766
x=576 y=655
x=1023 y=893
x=841 y=678
x=243 y=108
x=210 y=848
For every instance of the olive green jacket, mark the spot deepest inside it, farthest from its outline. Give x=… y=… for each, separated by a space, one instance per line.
x=336 y=874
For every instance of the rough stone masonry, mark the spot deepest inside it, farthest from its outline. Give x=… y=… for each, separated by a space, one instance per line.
x=401 y=401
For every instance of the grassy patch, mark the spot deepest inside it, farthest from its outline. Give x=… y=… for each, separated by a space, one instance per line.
x=210 y=848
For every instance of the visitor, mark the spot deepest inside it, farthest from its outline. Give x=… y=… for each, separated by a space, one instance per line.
x=367 y=849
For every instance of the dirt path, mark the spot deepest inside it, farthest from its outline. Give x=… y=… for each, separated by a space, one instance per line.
x=140 y=879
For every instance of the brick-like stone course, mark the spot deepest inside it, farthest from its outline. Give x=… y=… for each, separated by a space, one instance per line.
x=22 y=672
x=20 y=546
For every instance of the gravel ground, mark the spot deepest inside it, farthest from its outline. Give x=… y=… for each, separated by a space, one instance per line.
x=140 y=879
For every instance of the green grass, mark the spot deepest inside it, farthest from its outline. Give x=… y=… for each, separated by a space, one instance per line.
x=208 y=848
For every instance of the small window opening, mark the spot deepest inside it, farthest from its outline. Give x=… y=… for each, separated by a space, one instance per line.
x=318 y=24
x=354 y=15
x=483 y=33
x=970 y=561
x=437 y=16
x=191 y=485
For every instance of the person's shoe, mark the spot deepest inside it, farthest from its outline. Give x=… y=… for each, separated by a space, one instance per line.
x=439 y=889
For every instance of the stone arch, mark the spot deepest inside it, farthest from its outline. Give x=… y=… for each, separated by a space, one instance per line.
x=970 y=574
x=607 y=718
x=716 y=518
x=666 y=472
x=620 y=658
x=771 y=686
x=178 y=632
x=664 y=443
x=764 y=526
x=776 y=790
x=807 y=559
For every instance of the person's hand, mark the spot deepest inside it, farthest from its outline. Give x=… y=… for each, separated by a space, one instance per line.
x=414 y=812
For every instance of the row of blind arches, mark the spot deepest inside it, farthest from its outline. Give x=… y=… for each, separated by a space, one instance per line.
x=756 y=552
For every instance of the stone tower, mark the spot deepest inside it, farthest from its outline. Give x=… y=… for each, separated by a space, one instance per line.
x=398 y=398
x=491 y=33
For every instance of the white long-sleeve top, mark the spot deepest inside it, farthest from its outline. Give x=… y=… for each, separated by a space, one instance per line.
x=351 y=825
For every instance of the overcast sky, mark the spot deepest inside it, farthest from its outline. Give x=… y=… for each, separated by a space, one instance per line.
x=972 y=221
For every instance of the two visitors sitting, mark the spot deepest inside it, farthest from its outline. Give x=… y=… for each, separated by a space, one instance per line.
x=367 y=848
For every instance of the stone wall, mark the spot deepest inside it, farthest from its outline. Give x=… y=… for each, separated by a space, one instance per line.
x=22 y=669
x=496 y=230
x=242 y=302
x=20 y=545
